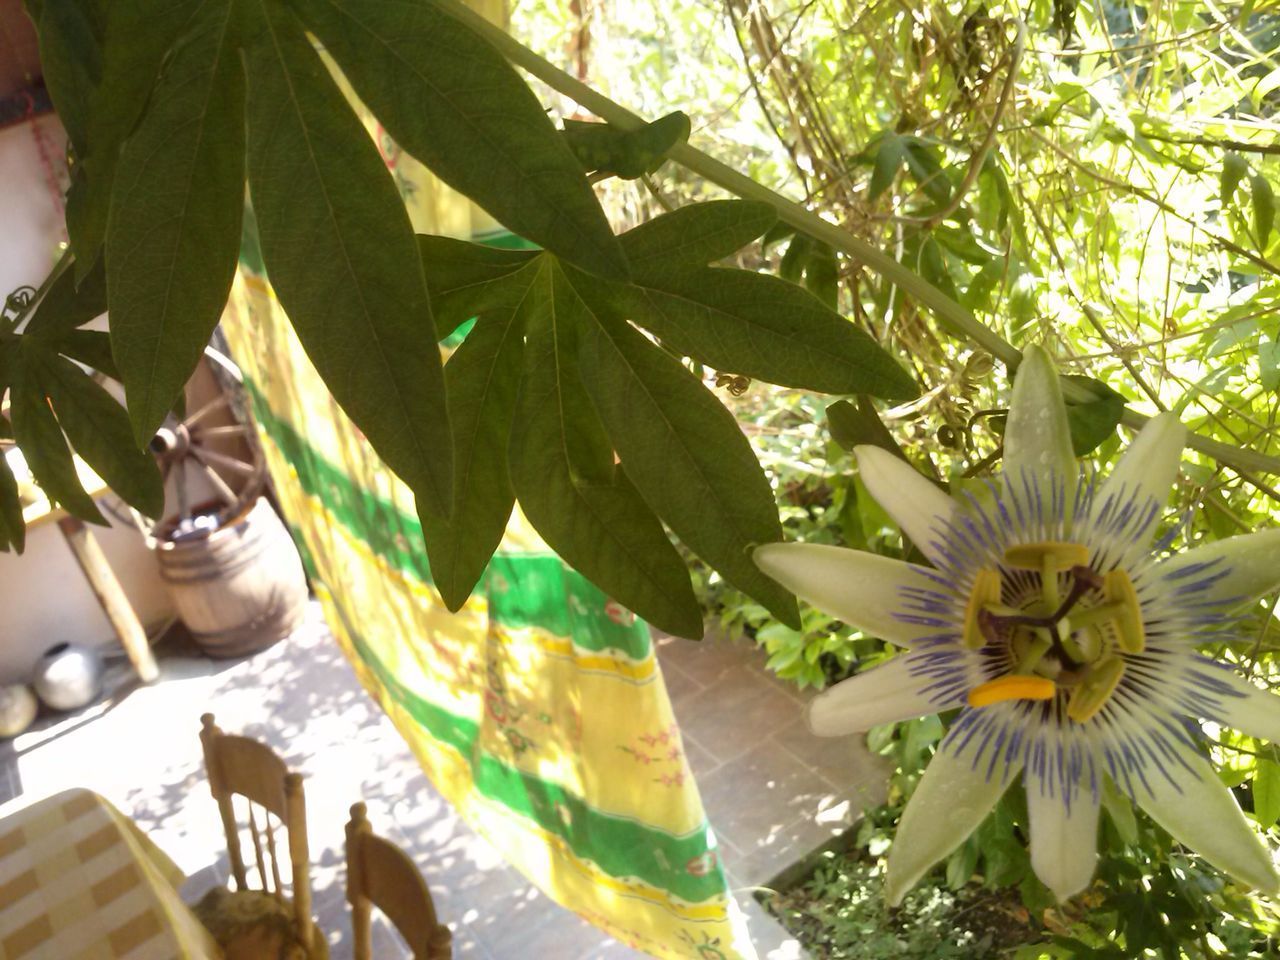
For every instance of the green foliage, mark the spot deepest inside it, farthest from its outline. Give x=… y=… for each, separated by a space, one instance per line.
x=452 y=101
x=687 y=457
x=841 y=913
x=481 y=378
x=603 y=433
x=342 y=258
x=693 y=236
x=96 y=425
x=1093 y=422
x=45 y=448
x=171 y=253
x=563 y=470
x=605 y=150
x=592 y=386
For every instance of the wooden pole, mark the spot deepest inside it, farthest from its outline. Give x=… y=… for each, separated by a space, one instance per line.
x=111 y=596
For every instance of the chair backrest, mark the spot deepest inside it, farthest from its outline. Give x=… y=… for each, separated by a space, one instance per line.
x=380 y=874
x=252 y=770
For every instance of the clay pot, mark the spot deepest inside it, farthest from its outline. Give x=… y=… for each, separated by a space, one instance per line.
x=18 y=708
x=68 y=676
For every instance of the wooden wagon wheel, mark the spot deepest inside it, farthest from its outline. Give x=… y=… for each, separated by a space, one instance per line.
x=193 y=447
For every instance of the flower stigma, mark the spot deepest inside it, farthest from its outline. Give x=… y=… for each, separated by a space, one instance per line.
x=1063 y=627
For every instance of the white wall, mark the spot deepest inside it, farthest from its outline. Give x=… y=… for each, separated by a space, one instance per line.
x=43 y=595
x=45 y=600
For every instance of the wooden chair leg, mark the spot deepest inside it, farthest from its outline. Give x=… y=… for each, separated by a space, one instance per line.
x=361 y=929
x=208 y=734
x=299 y=856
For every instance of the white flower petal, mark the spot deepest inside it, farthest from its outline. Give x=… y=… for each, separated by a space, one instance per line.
x=1239 y=568
x=916 y=505
x=862 y=589
x=1149 y=467
x=1242 y=706
x=953 y=798
x=885 y=694
x=1064 y=845
x=1196 y=809
x=1037 y=437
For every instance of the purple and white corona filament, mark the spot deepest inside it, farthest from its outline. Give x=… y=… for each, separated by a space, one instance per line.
x=1064 y=635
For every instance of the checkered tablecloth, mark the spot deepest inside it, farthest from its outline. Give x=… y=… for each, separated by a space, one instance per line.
x=80 y=881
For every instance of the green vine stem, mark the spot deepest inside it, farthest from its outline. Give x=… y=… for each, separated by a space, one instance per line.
x=951 y=314
x=59 y=268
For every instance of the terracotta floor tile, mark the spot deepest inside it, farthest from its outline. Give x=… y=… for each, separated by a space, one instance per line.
x=844 y=761
x=737 y=711
x=704 y=660
x=701 y=762
x=756 y=798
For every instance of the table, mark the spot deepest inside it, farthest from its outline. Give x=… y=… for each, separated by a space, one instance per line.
x=80 y=881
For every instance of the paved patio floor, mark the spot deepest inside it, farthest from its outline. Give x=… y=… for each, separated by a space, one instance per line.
x=772 y=792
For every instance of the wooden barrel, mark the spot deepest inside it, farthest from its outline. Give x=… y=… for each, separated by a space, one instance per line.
x=239 y=588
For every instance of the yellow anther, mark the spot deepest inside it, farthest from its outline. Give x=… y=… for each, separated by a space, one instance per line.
x=986 y=590
x=1011 y=687
x=1095 y=689
x=1048 y=555
x=1128 y=619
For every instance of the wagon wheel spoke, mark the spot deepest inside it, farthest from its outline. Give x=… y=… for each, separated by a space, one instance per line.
x=221 y=400
x=211 y=457
x=231 y=430
x=225 y=492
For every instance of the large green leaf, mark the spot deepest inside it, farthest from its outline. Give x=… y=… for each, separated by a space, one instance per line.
x=90 y=347
x=1234 y=169
x=1264 y=208
x=687 y=456
x=136 y=36
x=857 y=425
x=765 y=328
x=71 y=34
x=45 y=449
x=822 y=275
x=343 y=259
x=482 y=377
x=64 y=307
x=176 y=206
x=564 y=474
x=694 y=235
x=1094 y=421
x=13 y=530
x=630 y=154
x=450 y=99
x=465 y=278
x=1266 y=793
x=98 y=429
x=889 y=156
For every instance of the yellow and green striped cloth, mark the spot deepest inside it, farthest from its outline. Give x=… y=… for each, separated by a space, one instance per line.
x=539 y=709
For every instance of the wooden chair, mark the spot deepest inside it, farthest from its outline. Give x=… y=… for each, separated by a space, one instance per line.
x=239 y=765
x=380 y=874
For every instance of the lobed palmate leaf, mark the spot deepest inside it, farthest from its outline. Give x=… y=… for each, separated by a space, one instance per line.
x=693 y=236
x=450 y=99
x=482 y=377
x=564 y=473
x=45 y=448
x=174 y=230
x=97 y=426
x=342 y=259
x=687 y=457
